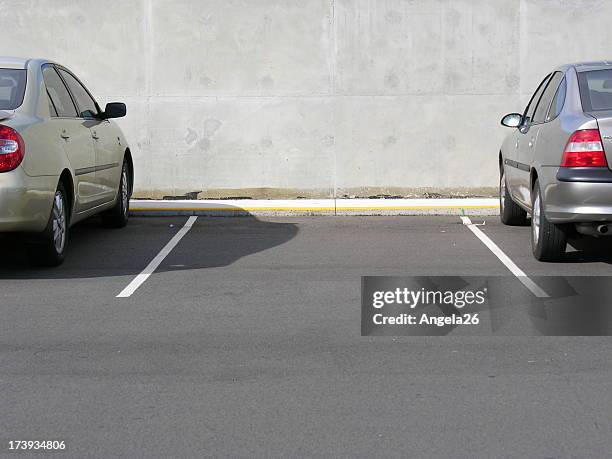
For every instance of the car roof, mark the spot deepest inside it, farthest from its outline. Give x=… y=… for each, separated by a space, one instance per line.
x=9 y=62
x=589 y=66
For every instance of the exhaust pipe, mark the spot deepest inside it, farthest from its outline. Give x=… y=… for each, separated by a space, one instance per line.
x=592 y=229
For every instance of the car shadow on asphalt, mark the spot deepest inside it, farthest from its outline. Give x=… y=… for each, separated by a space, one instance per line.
x=590 y=250
x=95 y=251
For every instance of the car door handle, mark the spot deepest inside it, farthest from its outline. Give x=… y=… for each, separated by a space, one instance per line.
x=64 y=135
x=94 y=136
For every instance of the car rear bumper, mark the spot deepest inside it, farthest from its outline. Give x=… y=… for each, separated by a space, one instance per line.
x=570 y=197
x=25 y=202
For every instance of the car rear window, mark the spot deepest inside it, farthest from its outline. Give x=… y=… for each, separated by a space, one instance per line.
x=596 y=90
x=12 y=88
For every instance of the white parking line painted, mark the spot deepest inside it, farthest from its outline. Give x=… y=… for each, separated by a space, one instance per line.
x=499 y=253
x=151 y=267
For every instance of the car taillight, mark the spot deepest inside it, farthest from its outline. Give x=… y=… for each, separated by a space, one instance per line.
x=584 y=149
x=12 y=149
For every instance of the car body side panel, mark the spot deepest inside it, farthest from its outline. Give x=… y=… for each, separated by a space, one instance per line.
x=524 y=139
x=513 y=156
x=45 y=153
x=509 y=152
x=526 y=157
x=109 y=153
x=80 y=152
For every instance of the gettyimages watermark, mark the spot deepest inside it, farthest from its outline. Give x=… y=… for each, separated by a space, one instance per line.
x=433 y=306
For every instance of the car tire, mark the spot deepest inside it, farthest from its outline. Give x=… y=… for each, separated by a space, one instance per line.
x=50 y=248
x=548 y=241
x=510 y=212
x=118 y=216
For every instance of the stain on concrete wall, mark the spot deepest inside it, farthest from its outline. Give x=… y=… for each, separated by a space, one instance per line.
x=311 y=98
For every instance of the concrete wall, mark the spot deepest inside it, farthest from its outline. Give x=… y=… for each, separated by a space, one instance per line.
x=311 y=97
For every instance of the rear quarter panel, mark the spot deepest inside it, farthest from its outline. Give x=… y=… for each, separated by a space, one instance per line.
x=45 y=153
x=554 y=135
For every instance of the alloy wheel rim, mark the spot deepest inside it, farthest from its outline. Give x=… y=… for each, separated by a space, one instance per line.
x=502 y=192
x=535 y=220
x=59 y=222
x=124 y=190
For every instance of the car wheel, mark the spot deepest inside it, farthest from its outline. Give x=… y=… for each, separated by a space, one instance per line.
x=118 y=216
x=510 y=212
x=50 y=248
x=548 y=240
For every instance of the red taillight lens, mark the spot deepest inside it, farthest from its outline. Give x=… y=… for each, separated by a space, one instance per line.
x=11 y=149
x=584 y=149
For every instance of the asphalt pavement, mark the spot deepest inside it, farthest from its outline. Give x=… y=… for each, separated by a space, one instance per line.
x=245 y=342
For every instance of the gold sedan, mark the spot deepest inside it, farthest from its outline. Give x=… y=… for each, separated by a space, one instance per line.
x=62 y=158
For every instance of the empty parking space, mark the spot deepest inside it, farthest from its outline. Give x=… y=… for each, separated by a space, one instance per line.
x=223 y=255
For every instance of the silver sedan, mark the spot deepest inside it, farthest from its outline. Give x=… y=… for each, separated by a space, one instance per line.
x=62 y=158
x=555 y=165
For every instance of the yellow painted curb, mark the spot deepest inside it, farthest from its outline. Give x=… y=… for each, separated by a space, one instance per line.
x=301 y=209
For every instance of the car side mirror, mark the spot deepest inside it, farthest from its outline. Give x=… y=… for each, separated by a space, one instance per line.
x=114 y=110
x=513 y=120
